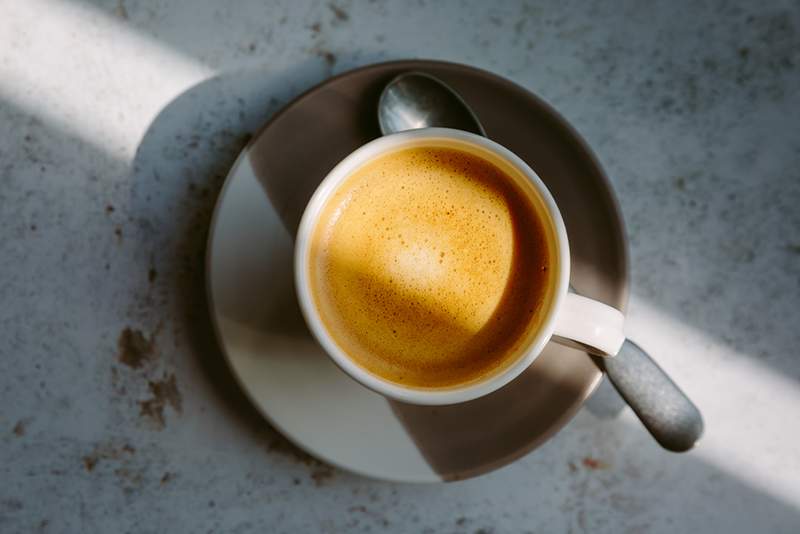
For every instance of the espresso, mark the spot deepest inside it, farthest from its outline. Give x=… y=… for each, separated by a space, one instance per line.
x=430 y=267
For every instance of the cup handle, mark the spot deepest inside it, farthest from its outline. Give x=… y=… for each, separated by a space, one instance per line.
x=589 y=325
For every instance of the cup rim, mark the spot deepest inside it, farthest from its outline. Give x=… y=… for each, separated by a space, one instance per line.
x=432 y=396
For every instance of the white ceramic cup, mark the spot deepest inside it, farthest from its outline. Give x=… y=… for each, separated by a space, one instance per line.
x=571 y=319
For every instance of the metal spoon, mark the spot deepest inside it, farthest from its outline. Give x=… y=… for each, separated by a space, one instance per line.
x=417 y=100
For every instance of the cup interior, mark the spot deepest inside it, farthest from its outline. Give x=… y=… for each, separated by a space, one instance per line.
x=526 y=180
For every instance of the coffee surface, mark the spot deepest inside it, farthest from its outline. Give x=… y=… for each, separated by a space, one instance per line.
x=429 y=267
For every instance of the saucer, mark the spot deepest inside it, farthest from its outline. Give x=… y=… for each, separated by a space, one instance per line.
x=283 y=370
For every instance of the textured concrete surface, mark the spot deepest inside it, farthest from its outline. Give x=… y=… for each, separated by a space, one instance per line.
x=118 y=121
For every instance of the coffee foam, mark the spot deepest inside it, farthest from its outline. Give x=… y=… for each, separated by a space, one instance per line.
x=428 y=267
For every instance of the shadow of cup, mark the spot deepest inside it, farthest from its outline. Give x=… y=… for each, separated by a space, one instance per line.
x=196 y=139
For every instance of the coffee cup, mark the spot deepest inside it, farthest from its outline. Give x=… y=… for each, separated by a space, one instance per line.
x=433 y=267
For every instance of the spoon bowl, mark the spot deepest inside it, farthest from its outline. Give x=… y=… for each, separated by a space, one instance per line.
x=417 y=100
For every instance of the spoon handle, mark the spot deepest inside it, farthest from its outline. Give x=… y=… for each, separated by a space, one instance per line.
x=666 y=412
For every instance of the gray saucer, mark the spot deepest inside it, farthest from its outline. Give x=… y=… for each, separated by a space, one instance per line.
x=285 y=373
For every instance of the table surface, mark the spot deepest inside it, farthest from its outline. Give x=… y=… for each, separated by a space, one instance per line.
x=118 y=122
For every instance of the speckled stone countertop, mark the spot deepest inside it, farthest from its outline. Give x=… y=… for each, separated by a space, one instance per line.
x=118 y=122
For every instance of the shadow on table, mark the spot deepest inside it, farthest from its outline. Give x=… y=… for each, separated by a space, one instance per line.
x=185 y=155
x=195 y=139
